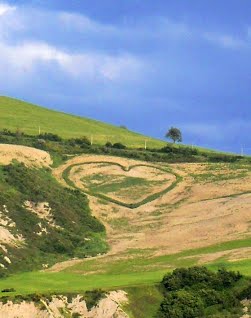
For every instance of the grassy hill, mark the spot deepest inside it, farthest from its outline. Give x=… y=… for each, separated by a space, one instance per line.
x=28 y=117
x=201 y=216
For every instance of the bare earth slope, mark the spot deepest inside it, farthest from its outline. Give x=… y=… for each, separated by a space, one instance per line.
x=211 y=205
x=27 y=155
x=60 y=307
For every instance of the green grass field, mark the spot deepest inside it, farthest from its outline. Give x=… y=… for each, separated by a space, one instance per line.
x=16 y=114
x=137 y=270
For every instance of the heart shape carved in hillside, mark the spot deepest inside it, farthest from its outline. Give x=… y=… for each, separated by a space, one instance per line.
x=130 y=187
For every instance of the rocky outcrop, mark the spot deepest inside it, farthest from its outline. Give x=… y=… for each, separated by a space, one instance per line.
x=61 y=307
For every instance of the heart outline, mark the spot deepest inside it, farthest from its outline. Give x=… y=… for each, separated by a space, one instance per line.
x=148 y=199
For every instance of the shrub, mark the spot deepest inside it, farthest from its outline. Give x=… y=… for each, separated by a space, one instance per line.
x=8 y=290
x=187 y=277
x=7 y=132
x=50 y=136
x=82 y=142
x=119 y=145
x=93 y=297
x=245 y=293
x=190 y=292
x=210 y=296
x=181 y=304
x=108 y=144
x=228 y=278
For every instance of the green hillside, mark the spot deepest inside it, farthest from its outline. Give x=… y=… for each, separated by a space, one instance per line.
x=16 y=114
x=65 y=230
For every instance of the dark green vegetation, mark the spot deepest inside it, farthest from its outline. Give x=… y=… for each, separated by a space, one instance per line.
x=93 y=297
x=63 y=134
x=60 y=149
x=98 y=192
x=174 y=134
x=197 y=292
x=144 y=301
x=69 y=230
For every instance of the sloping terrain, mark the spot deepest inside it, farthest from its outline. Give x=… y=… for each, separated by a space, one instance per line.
x=210 y=206
x=40 y=221
x=109 y=306
x=29 y=156
x=16 y=114
x=193 y=213
x=188 y=214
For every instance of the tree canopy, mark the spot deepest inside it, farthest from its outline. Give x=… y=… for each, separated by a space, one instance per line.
x=174 y=134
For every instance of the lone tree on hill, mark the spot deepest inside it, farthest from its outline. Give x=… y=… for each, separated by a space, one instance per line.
x=174 y=134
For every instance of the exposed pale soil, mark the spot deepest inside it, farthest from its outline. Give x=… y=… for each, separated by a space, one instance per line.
x=43 y=211
x=194 y=214
x=135 y=194
x=246 y=309
x=63 y=265
x=27 y=155
x=7 y=225
x=60 y=307
x=198 y=212
x=232 y=255
x=94 y=158
x=31 y=157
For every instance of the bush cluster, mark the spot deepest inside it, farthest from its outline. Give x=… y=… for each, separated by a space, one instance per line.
x=59 y=147
x=82 y=142
x=197 y=292
x=93 y=297
x=50 y=136
x=116 y=145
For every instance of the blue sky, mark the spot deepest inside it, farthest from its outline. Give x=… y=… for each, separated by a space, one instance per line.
x=148 y=65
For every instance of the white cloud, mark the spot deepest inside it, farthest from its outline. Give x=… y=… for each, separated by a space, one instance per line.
x=90 y=65
x=21 y=53
x=156 y=27
x=29 y=49
x=5 y=8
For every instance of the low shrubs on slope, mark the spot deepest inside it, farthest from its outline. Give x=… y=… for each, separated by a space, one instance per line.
x=58 y=147
x=66 y=229
x=197 y=292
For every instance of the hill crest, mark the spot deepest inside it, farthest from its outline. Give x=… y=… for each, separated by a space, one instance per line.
x=30 y=118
